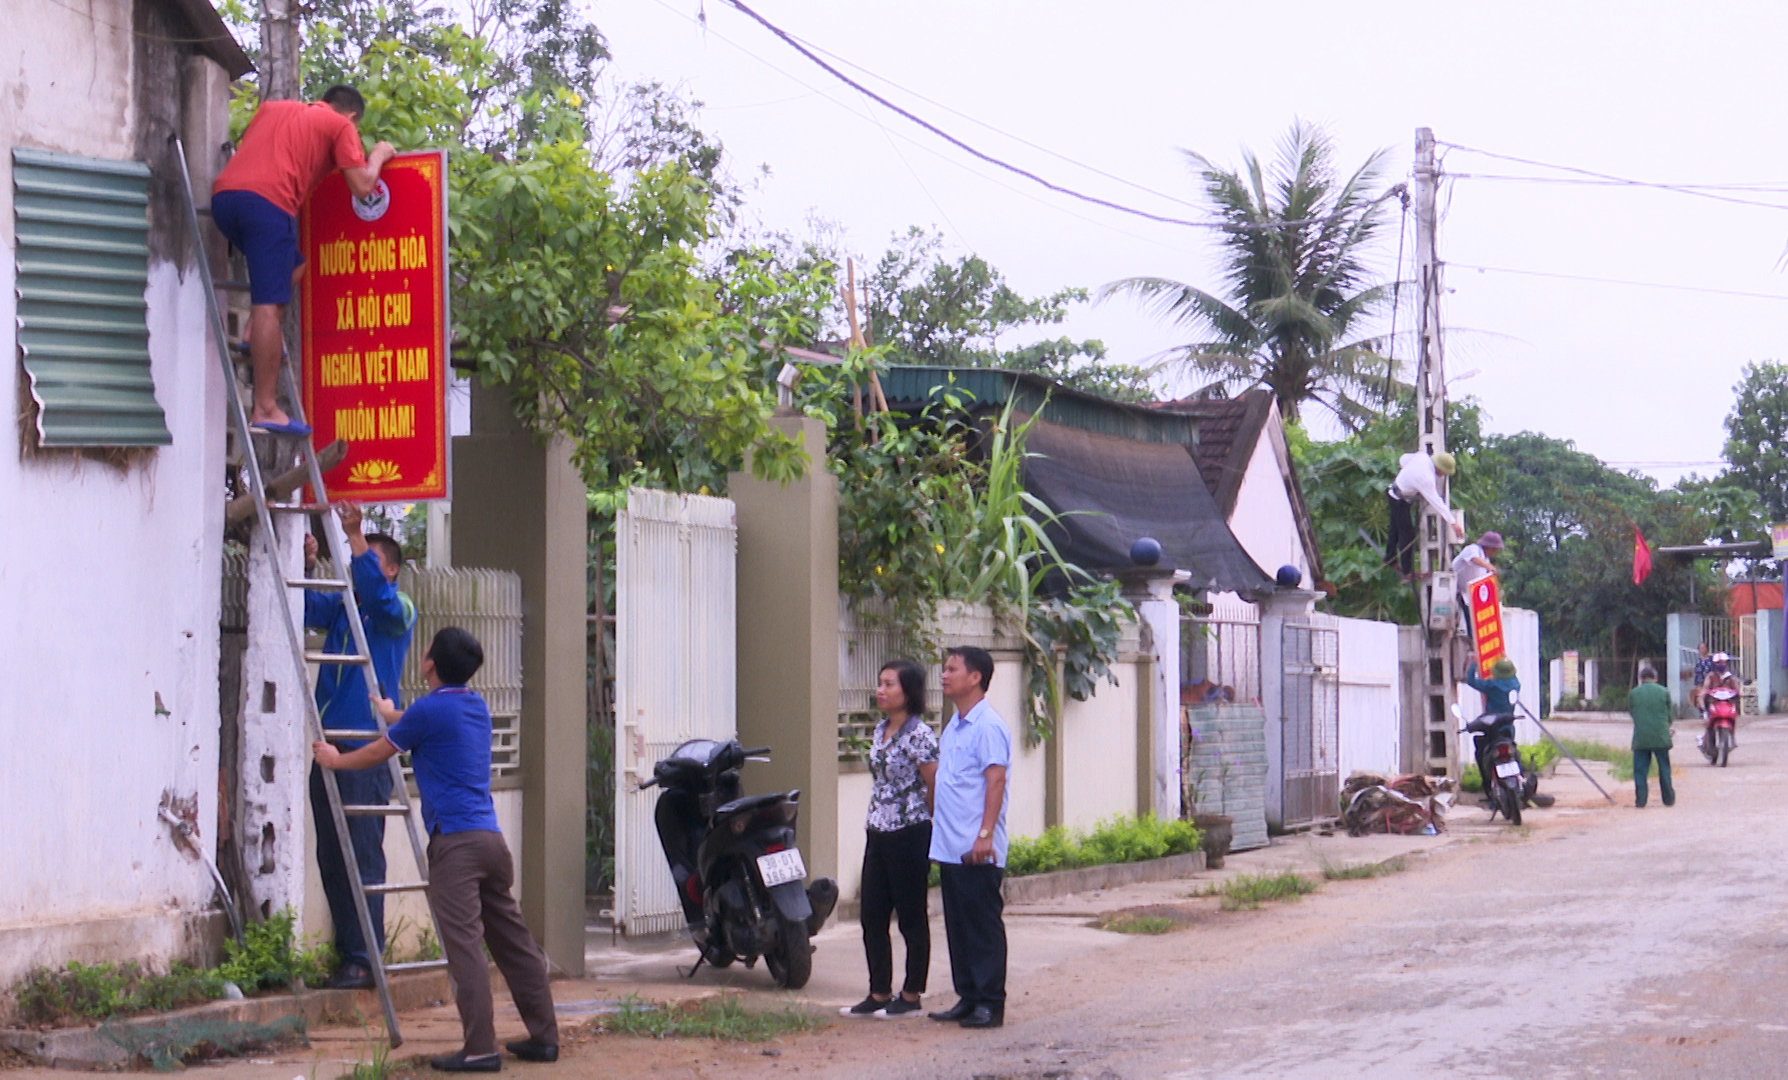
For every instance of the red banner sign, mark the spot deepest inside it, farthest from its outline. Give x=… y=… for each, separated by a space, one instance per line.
x=375 y=329
x=1486 y=623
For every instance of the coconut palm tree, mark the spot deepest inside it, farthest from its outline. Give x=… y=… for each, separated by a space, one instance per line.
x=1297 y=288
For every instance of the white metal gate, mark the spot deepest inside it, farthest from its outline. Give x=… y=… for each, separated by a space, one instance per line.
x=1310 y=750
x=674 y=673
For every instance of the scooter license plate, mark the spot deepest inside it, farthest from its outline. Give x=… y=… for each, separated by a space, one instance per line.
x=781 y=867
x=1509 y=768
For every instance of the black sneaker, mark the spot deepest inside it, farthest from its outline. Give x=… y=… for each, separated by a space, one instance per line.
x=900 y=1008
x=869 y=1006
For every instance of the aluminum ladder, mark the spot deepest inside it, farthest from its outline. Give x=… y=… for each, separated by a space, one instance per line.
x=343 y=584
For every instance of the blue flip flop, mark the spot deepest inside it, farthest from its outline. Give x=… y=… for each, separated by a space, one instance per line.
x=290 y=427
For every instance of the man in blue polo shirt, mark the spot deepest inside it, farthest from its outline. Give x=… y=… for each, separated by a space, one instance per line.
x=968 y=839
x=470 y=873
x=388 y=618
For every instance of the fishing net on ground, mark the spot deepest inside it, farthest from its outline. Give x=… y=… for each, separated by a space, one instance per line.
x=1403 y=805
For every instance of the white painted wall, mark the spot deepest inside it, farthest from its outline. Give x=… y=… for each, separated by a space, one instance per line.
x=1521 y=631
x=1371 y=708
x=110 y=576
x=1099 y=753
x=1264 y=521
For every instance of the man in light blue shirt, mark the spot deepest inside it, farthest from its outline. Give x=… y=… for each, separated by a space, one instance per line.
x=968 y=839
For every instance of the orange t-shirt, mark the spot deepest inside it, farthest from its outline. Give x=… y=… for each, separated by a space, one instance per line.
x=288 y=149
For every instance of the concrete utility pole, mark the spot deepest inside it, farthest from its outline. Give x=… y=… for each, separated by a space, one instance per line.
x=279 y=50
x=1434 y=544
x=274 y=756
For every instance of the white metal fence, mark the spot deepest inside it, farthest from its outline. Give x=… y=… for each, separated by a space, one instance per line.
x=675 y=574
x=488 y=605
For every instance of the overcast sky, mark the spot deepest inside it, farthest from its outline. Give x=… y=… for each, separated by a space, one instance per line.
x=1673 y=92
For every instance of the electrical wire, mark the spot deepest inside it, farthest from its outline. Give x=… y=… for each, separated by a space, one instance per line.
x=1766 y=188
x=796 y=44
x=1022 y=141
x=1618 y=281
x=945 y=158
x=1681 y=189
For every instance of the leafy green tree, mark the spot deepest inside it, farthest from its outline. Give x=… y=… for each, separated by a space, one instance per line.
x=1297 y=287
x=931 y=310
x=1757 y=435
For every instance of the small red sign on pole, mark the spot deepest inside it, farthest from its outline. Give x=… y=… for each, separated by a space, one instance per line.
x=1486 y=623
x=375 y=330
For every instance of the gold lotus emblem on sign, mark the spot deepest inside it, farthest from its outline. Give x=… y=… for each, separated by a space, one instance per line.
x=376 y=471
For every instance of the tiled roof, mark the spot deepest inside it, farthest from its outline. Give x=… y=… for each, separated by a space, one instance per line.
x=1228 y=429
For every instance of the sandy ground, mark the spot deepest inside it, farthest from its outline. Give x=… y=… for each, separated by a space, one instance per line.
x=1596 y=941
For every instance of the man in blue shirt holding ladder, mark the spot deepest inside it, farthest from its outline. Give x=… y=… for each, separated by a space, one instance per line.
x=470 y=873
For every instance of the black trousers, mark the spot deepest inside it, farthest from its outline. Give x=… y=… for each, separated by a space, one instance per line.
x=358 y=787
x=1400 y=545
x=895 y=868
x=975 y=932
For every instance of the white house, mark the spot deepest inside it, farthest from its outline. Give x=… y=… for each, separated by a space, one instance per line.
x=111 y=481
x=1246 y=462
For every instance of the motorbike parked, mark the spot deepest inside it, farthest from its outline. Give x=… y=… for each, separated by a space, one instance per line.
x=738 y=873
x=1506 y=782
x=1719 y=737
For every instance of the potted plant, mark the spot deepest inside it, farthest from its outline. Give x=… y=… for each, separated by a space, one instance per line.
x=1216 y=831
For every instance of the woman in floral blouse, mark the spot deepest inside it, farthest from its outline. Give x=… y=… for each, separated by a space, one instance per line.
x=896 y=856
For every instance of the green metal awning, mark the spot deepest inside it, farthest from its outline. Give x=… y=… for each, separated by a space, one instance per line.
x=82 y=231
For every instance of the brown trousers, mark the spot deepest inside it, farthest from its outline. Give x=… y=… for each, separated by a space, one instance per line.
x=470 y=875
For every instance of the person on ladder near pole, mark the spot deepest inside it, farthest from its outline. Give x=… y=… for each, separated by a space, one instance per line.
x=389 y=618
x=286 y=152
x=1417 y=478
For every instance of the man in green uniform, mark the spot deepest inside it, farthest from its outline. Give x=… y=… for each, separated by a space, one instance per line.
x=1650 y=704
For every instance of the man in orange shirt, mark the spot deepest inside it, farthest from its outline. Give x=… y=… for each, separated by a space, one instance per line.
x=286 y=152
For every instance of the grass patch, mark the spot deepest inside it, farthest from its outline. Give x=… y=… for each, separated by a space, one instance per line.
x=1535 y=757
x=1246 y=892
x=268 y=958
x=1121 y=839
x=1619 y=757
x=1136 y=924
x=710 y=1018
x=1361 y=871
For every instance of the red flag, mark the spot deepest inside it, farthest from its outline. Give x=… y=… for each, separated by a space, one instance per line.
x=1641 y=557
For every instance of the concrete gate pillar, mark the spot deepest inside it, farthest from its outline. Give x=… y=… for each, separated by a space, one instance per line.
x=1276 y=609
x=520 y=505
x=273 y=816
x=1158 y=738
x=788 y=638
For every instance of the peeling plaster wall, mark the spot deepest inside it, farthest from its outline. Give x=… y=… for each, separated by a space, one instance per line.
x=109 y=575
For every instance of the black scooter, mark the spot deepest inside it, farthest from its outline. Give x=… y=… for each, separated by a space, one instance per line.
x=1500 y=765
x=738 y=873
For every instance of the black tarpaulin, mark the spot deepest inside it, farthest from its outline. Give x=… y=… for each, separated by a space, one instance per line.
x=1129 y=490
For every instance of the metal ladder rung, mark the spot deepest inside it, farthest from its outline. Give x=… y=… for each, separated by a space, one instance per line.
x=414 y=965
x=333 y=658
x=395 y=887
x=374 y=810
x=297 y=508
x=315 y=583
x=363 y=734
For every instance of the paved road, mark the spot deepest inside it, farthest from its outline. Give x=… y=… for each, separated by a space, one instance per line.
x=1618 y=942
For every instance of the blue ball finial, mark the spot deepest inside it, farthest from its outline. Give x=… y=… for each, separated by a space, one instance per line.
x=1146 y=551
x=1289 y=577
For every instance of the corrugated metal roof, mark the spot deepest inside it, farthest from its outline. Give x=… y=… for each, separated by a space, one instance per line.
x=910 y=387
x=82 y=229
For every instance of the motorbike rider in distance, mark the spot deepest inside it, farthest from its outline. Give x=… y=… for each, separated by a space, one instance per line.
x=1719 y=677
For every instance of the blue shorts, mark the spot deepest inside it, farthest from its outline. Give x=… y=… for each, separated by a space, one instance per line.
x=266 y=235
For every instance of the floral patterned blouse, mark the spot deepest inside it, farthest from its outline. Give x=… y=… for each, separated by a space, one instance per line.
x=897 y=798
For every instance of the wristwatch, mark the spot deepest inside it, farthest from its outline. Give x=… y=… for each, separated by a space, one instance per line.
x=984 y=834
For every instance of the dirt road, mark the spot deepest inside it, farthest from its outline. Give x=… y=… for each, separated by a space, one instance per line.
x=1597 y=942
